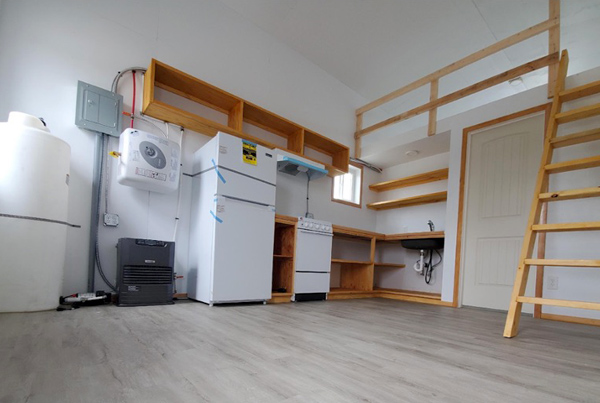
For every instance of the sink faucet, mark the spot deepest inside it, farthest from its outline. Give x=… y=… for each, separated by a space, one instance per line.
x=431 y=226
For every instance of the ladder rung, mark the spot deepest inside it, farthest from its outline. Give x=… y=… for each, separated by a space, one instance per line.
x=573 y=165
x=566 y=227
x=580 y=92
x=579 y=113
x=562 y=262
x=576 y=138
x=570 y=194
x=560 y=302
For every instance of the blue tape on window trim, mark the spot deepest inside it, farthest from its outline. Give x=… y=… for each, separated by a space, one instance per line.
x=215 y=217
x=217 y=171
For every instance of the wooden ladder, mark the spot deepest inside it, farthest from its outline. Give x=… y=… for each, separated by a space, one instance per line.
x=542 y=196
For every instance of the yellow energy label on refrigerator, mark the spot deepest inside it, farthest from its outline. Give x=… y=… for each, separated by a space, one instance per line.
x=248 y=152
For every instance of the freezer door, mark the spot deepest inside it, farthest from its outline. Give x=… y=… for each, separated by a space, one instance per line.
x=243 y=251
x=313 y=251
x=253 y=160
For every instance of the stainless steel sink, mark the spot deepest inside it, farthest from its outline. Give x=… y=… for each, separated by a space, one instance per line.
x=423 y=243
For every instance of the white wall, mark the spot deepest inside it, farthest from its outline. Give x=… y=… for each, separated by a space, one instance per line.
x=48 y=46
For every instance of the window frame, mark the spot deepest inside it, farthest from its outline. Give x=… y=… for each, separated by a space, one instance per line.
x=360 y=192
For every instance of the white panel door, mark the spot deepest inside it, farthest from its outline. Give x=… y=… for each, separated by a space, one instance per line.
x=502 y=169
x=243 y=251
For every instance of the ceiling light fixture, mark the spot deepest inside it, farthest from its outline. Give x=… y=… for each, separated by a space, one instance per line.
x=516 y=81
x=412 y=153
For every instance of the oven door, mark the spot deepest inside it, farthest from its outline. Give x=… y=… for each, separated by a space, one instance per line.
x=313 y=251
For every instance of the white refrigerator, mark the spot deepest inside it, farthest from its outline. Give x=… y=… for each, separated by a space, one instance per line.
x=233 y=219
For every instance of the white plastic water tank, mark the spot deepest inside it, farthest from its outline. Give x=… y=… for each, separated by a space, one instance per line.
x=34 y=176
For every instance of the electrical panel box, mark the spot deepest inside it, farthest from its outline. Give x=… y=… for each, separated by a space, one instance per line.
x=98 y=109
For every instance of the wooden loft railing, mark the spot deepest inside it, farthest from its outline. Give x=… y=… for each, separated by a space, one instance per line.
x=551 y=25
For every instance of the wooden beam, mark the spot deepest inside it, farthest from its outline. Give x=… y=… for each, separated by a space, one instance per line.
x=563 y=262
x=433 y=95
x=472 y=58
x=235 y=118
x=472 y=89
x=578 y=114
x=567 y=227
x=560 y=302
x=566 y=166
x=580 y=92
x=357 y=139
x=541 y=254
x=541 y=237
x=576 y=138
x=553 y=44
x=571 y=194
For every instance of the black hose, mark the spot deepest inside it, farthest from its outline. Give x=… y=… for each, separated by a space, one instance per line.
x=429 y=268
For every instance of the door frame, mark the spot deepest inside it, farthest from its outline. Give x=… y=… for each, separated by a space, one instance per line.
x=458 y=275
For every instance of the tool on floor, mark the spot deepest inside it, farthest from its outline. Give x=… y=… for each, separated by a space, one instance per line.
x=543 y=196
x=75 y=301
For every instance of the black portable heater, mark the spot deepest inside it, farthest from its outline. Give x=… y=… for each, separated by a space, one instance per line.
x=145 y=272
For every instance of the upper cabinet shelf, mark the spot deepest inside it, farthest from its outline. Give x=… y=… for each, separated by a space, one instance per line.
x=238 y=111
x=414 y=180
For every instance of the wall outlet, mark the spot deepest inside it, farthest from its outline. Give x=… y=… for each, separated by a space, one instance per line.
x=552 y=283
x=111 y=220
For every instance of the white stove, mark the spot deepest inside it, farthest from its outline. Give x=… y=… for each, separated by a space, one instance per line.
x=313 y=259
x=310 y=224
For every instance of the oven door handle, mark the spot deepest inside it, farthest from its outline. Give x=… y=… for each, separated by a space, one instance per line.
x=314 y=233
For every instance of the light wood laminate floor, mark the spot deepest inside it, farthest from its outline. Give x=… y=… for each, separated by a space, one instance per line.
x=338 y=351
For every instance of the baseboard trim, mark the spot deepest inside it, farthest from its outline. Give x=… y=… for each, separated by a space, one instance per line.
x=571 y=319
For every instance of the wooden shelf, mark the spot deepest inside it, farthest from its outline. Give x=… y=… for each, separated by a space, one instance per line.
x=238 y=111
x=345 y=261
x=391 y=265
x=283 y=257
x=347 y=232
x=409 y=201
x=414 y=180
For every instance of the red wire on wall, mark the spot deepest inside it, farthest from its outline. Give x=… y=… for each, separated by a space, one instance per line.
x=133 y=101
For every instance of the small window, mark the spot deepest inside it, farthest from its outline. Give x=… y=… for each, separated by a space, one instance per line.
x=347 y=188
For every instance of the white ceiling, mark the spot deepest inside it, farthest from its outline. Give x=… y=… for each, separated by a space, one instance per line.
x=377 y=46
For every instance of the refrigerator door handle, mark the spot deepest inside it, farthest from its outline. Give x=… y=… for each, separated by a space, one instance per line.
x=245 y=200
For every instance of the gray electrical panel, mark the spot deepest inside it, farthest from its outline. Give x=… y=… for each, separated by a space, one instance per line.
x=98 y=109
